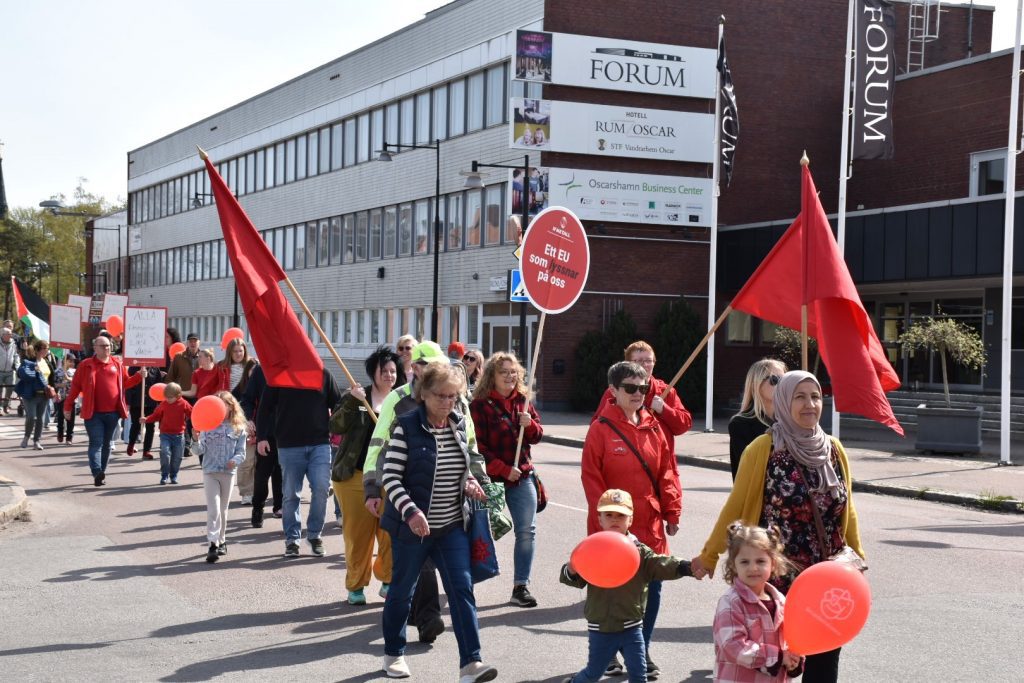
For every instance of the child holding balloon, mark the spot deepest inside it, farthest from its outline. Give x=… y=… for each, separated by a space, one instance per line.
x=171 y=415
x=616 y=572
x=749 y=643
x=223 y=448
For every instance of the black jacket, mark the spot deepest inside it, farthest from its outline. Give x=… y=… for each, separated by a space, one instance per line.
x=297 y=417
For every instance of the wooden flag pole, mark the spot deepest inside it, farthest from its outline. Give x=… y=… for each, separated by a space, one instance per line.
x=330 y=347
x=529 y=383
x=142 y=401
x=803 y=337
x=697 y=350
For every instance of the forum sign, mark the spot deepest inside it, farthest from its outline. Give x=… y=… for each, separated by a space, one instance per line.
x=614 y=64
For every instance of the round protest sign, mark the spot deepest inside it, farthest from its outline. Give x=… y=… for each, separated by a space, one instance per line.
x=556 y=259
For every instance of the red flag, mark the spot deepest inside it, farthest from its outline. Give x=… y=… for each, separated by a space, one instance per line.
x=285 y=352
x=856 y=361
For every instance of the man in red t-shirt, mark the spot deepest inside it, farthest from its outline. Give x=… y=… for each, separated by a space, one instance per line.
x=101 y=381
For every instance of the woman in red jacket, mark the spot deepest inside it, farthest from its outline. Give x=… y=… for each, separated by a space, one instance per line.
x=626 y=449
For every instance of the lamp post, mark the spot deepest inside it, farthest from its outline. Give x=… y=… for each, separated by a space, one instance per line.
x=86 y=276
x=385 y=155
x=475 y=182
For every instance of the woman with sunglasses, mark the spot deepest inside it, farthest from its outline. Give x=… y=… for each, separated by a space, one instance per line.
x=474 y=362
x=757 y=410
x=626 y=449
x=404 y=348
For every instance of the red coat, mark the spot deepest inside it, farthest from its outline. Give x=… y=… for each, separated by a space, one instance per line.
x=84 y=384
x=674 y=418
x=608 y=463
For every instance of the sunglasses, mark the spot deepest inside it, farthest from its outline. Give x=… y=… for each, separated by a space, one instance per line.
x=633 y=388
x=773 y=380
x=468 y=359
x=405 y=348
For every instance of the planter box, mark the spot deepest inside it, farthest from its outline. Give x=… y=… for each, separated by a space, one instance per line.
x=949 y=430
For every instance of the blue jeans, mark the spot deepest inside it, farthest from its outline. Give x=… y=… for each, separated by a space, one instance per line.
x=35 y=409
x=313 y=463
x=522 y=505
x=100 y=428
x=651 y=611
x=172 y=450
x=603 y=646
x=450 y=553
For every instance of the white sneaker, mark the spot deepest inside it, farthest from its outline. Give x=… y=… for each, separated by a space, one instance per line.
x=477 y=672
x=246 y=500
x=395 y=667
x=38 y=446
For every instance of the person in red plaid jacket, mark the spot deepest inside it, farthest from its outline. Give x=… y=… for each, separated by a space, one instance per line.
x=499 y=408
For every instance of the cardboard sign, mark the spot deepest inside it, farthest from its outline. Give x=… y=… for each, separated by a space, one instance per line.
x=144 y=330
x=113 y=304
x=556 y=260
x=65 y=326
x=83 y=302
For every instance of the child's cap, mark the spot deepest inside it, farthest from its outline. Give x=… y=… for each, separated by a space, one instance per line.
x=615 y=500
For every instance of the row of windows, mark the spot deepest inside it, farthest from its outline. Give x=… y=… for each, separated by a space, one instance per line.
x=455 y=108
x=470 y=218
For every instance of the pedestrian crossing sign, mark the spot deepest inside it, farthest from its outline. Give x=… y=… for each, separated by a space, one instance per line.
x=516 y=290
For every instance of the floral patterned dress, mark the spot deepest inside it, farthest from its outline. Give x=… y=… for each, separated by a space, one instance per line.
x=787 y=503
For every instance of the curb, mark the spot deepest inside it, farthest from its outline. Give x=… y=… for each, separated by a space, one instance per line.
x=9 y=490
x=962 y=499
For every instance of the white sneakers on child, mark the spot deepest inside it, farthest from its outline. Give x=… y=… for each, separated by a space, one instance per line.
x=477 y=672
x=395 y=667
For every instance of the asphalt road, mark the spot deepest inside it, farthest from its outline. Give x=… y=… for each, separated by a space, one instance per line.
x=111 y=584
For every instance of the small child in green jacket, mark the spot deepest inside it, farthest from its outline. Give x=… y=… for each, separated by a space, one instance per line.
x=615 y=616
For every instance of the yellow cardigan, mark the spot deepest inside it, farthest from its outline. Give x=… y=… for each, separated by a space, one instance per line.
x=747 y=500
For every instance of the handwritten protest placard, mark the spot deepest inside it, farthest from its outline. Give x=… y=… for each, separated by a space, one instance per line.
x=144 y=330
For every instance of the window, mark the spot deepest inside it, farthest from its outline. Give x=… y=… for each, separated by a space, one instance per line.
x=405 y=229
x=421 y=227
x=390 y=231
x=300 y=157
x=270 y=167
x=457 y=108
x=739 y=328
x=325 y=149
x=336 y=147
x=225 y=264
x=375 y=326
x=335 y=330
x=361 y=236
x=408 y=121
x=391 y=124
x=350 y=142
x=376 y=132
x=346 y=238
x=282 y=163
x=250 y=173
x=260 y=176
x=441 y=113
x=289 y=161
x=472 y=320
x=289 y=248
x=988 y=173
x=473 y=218
x=313 y=154
x=311 y=244
x=347 y=327
x=475 y=102
x=492 y=233
x=323 y=252
x=336 y=240
x=496 y=100
x=375 y=218
x=363 y=149
x=423 y=118
x=769 y=332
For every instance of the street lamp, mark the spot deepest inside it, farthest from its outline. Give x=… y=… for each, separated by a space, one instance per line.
x=474 y=181
x=385 y=155
x=86 y=276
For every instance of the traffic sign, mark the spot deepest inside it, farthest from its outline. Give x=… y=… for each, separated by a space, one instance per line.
x=556 y=259
x=516 y=290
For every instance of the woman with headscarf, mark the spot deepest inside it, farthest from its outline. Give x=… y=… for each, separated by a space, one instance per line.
x=793 y=476
x=757 y=409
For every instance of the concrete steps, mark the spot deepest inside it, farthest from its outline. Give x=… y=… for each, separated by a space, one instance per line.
x=904 y=404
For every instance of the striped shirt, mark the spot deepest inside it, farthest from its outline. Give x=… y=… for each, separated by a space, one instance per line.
x=446 y=495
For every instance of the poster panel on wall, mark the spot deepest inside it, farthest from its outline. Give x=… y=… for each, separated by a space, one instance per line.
x=537 y=186
x=606 y=130
x=632 y=197
x=614 y=64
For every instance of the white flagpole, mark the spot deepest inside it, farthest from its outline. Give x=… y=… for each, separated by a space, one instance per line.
x=845 y=164
x=713 y=263
x=1011 y=182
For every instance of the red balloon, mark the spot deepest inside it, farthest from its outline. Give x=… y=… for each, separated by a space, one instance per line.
x=208 y=413
x=175 y=349
x=229 y=334
x=115 y=325
x=607 y=559
x=826 y=607
x=156 y=392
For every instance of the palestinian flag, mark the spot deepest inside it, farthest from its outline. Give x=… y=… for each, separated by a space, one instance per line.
x=32 y=310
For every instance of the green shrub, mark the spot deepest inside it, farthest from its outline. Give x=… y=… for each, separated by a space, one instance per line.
x=595 y=353
x=678 y=329
x=947 y=337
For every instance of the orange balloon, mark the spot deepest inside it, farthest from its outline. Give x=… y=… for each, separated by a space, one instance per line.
x=607 y=559
x=156 y=392
x=115 y=325
x=826 y=607
x=176 y=348
x=208 y=413
x=229 y=334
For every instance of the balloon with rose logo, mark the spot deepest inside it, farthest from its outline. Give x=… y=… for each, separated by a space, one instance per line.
x=826 y=607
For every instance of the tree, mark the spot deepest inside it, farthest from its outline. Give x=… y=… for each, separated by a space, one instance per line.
x=595 y=353
x=678 y=329
x=946 y=336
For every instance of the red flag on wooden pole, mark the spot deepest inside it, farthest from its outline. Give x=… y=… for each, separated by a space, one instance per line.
x=285 y=351
x=856 y=362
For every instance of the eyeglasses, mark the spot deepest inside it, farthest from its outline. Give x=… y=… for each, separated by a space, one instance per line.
x=101 y=346
x=633 y=388
x=405 y=348
x=469 y=359
x=449 y=398
x=773 y=380
x=508 y=373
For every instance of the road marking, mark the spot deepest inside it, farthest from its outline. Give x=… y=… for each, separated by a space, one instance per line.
x=568 y=507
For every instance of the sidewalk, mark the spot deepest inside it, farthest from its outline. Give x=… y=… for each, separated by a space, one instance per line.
x=881 y=462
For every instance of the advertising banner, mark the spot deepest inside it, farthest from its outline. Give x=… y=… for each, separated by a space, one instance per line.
x=875 y=78
x=632 y=197
x=605 y=130
x=614 y=64
x=538 y=189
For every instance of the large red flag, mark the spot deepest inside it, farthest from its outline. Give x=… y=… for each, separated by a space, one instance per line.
x=285 y=352
x=805 y=266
